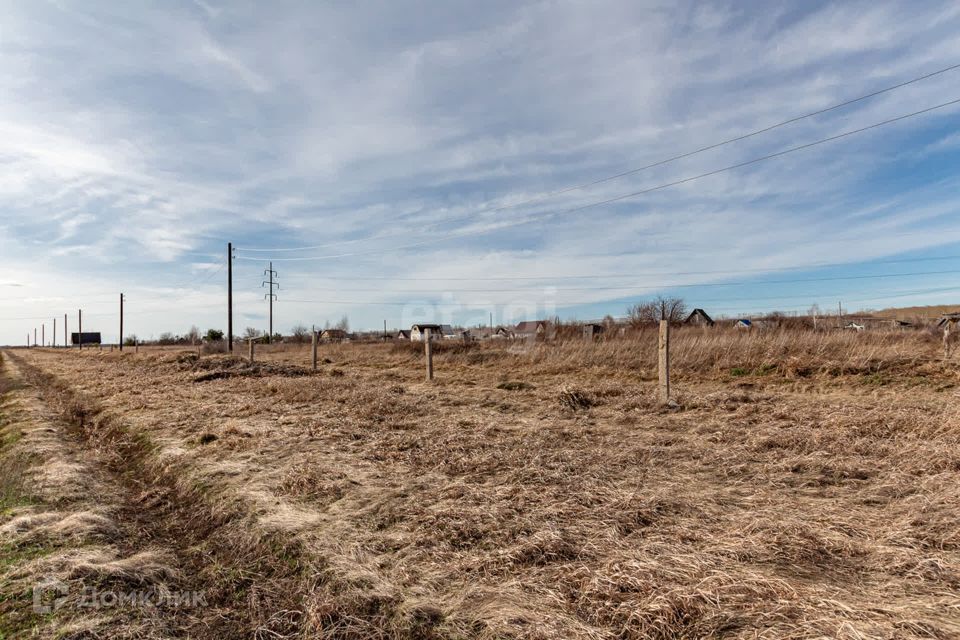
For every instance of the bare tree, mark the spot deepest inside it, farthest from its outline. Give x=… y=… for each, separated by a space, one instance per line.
x=300 y=333
x=193 y=335
x=344 y=324
x=251 y=334
x=660 y=308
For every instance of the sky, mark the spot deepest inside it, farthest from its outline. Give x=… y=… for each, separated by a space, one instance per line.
x=406 y=161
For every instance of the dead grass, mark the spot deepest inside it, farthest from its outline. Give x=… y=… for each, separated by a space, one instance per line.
x=540 y=491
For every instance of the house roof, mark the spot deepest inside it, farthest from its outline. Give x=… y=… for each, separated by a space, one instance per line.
x=744 y=321
x=421 y=326
x=529 y=326
x=334 y=332
x=701 y=314
x=403 y=332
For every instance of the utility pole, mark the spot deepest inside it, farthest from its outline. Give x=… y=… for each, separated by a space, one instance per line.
x=34 y=336
x=491 y=320
x=80 y=329
x=839 y=315
x=270 y=296
x=121 y=322
x=66 y=343
x=384 y=330
x=54 y=333
x=43 y=335
x=230 y=296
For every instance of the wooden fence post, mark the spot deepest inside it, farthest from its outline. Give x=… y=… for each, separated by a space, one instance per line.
x=663 y=353
x=946 y=339
x=250 y=342
x=314 y=341
x=428 y=346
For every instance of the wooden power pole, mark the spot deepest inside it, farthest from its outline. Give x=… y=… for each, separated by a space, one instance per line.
x=121 y=322
x=80 y=329
x=230 y=296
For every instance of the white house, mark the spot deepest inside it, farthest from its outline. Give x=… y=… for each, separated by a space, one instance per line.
x=418 y=331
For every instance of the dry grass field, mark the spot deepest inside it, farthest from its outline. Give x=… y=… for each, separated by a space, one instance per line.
x=805 y=485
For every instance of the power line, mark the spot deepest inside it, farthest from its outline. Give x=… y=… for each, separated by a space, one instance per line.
x=535 y=218
x=628 y=172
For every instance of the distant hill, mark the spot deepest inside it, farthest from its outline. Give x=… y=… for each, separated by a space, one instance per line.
x=926 y=313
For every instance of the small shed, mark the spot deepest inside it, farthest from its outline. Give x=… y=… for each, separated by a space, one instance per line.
x=87 y=337
x=743 y=323
x=698 y=317
x=592 y=329
x=403 y=334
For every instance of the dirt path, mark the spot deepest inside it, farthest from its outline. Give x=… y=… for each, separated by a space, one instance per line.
x=75 y=541
x=92 y=546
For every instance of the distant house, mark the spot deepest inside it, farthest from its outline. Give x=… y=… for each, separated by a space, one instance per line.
x=853 y=326
x=403 y=334
x=488 y=333
x=698 y=317
x=531 y=329
x=88 y=337
x=334 y=335
x=449 y=333
x=743 y=323
x=592 y=329
x=418 y=331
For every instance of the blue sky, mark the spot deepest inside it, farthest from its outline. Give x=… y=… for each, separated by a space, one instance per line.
x=414 y=146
